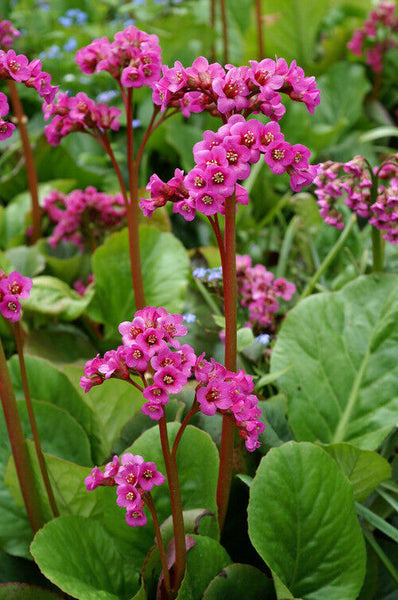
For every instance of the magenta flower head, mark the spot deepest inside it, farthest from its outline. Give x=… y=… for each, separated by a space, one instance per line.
x=13 y=288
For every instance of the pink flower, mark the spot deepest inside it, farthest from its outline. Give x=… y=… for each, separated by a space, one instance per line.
x=10 y=308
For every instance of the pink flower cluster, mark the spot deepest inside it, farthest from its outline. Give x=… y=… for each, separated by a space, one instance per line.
x=13 y=288
x=78 y=113
x=150 y=349
x=83 y=216
x=254 y=89
x=18 y=68
x=133 y=58
x=8 y=34
x=6 y=128
x=80 y=287
x=377 y=35
x=259 y=292
x=223 y=158
x=134 y=479
x=353 y=179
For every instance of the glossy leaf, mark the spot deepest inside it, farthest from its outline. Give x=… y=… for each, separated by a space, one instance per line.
x=364 y=469
x=80 y=557
x=302 y=522
x=239 y=581
x=165 y=271
x=343 y=384
x=52 y=297
x=204 y=561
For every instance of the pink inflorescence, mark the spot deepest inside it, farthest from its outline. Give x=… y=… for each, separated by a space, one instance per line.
x=353 y=179
x=6 y=128
x=13 y=288
x=83 y=216
x=376 y=36
x=222 y=159
x=78 y=113
x=133 y=58
x=18 y=68
x=133 y=478
x=224 y=91
x=150 y=347
x=259 y=292
x=8 y=33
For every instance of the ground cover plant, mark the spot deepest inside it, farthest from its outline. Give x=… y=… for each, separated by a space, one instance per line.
x=198 y=300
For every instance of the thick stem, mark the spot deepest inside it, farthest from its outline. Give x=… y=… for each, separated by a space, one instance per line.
x=259 y=30
x=29 y=161
x=21 y=458
x=224 y=29
x=230 y=303
x=213 y=26
x=159 y=539
x=217 y=232
x=133 y=208
x=32 y=420
x=176 y=507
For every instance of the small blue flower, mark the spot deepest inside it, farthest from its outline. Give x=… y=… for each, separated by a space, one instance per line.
x=189 y=317
x=262 y=339
x=136 y=123
x=65 y=21
x=128 y=22
x=78 y=15
x=70 y=45
x=107 y=96
x=215 y=273
x=200 y=273
x=52 y=52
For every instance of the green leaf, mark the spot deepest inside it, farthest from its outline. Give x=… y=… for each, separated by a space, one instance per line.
x=60 y=343
x=204 y=561
x=239 y=581
x=49 y=384
x=343 y=88
x=377 y=522
x=81 y=558
x=54 y=298
x=292 y=28
x=165 y=268
x=343 y=386
x=302 y=522
x=60 y=434
x=364 y=469
x=27 y=260
x=245 y=337
x=23 y=591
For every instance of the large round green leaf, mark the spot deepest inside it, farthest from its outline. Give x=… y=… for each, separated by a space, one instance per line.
x=81 y=558
x=239 y=581
x=52 y=297
x=364 y=469
x=302 y=522
x=165 y=268
x=204 y=561
x=343 y=384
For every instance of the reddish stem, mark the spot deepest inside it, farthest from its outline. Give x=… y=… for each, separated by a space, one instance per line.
x=220 y=242
x=224 y=30
x=176 y=507
x=32 y=420
x=163 y=558
x=133 y=208
x=213 y=26
x=230 y=303
x=21 y=120
x=21 y=458
x=259 y=30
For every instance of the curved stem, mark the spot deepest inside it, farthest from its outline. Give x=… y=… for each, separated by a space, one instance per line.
x=29 y=160
x=230 y=302
x=194 y=409
x=135 y=384
x=163 y=558
x=21 y=458
x=32 y=420
x=377 y=250
x=148 y=132
x=176 y=507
